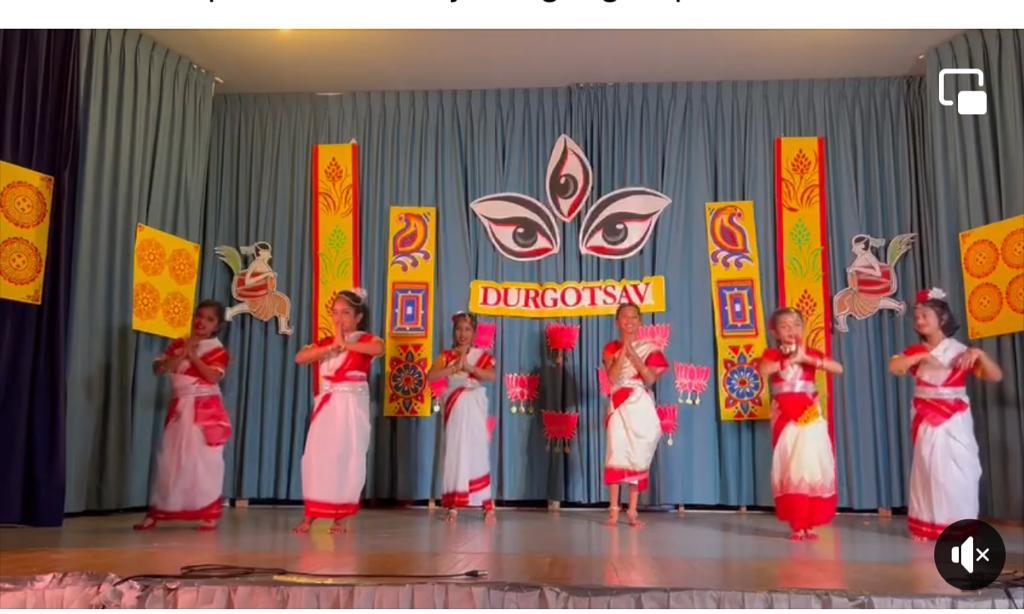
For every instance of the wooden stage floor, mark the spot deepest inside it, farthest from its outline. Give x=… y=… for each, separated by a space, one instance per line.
x=862 y=554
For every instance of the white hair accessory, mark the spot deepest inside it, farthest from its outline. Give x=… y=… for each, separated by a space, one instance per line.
x=360 y=292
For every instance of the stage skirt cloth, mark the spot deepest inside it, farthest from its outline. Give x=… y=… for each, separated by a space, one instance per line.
x=334 y=461
x=803 y=463
x=467 y=457
x=633 y=430
x=190 y=465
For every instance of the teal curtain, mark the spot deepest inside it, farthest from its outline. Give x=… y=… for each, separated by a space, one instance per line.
x=977 y=164
x=145 y=116
x=696 y=142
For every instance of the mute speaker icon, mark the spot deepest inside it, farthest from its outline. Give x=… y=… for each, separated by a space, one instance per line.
x=964 y=554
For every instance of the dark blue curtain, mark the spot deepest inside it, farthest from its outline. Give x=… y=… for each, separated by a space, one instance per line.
x=38 y=130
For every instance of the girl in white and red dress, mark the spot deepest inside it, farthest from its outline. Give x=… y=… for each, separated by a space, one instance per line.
x=467 y=458
x=334 y=461
x=803 y=462
x=945 y=472
x=632 y=426
x=190 y=465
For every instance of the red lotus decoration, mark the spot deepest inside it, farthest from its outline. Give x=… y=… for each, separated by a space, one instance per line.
x=492 y=422
x=560 y=428
x=562 y=337
x=691 y=380
x=655 y=334
x=668 y=415
x=522 y=389
x=484 y=338
x=515 y=390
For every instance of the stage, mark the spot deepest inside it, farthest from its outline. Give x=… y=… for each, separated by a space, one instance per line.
x=533 y=558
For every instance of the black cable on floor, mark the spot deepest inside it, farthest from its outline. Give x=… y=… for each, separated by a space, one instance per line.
x=213 y=571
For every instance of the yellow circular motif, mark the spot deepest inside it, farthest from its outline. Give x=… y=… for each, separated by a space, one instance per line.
x=175 y=308
x=1015 y=293
x=146 y=301
x=182 y=267
x=981 y=258
x=150 y=256
x=20 y=261
x=1013 y=249
x=985 y=302
x=23 y=204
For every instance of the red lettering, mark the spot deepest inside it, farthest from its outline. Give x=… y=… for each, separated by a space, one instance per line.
x=490 y=296
x=506 y=300
x=640 y=291
x=532 y=294
x=611 y=295
x=549 y=297
x=576 y=296
x=592 y=299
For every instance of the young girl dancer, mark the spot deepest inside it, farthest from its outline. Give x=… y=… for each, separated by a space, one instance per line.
x=190 y=465
x=803 y=463
x=632 y=426
x=945 y=471
x=467 y=473
x=334 y=461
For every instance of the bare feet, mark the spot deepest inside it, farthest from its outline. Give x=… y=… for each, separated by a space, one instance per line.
x=918 y=538
x=303 y=527
x=634 y=519
x=452 y=516
x=796 y=536
x=810 y=535
x=146 y=524
x=340 y=526
x=208 y=525
x=490 y=515
x=613 y=516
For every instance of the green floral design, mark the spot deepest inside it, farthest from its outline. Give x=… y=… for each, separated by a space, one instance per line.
x=806 y=262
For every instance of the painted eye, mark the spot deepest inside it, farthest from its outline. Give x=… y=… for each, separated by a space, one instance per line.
x=520 y=227
x=569 y=178
x=621 y=223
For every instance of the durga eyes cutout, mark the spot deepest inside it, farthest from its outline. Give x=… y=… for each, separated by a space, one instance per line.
x=616 y=227
x=520 y=227
x=620 y=224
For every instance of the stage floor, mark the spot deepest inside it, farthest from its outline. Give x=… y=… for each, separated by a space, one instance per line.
x=718 y=551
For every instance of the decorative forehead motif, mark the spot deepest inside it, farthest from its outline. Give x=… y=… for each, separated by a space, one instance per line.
x=617 y=226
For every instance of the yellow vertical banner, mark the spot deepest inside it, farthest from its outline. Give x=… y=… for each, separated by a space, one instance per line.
x=739 y=316
x=409 y=334
x=801 y=226
x=26 y=199
x=164 y=277
x=992 y=258
x=335 y=232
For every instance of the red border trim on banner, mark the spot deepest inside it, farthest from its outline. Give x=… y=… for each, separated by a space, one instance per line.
x=827 y=307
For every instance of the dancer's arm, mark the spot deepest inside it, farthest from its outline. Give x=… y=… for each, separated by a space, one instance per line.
x=374 y=347
x=901 y=364
x=822 y=363
x=207 y=372
x=985 y=368
x=440 y=370
x=317 y=353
